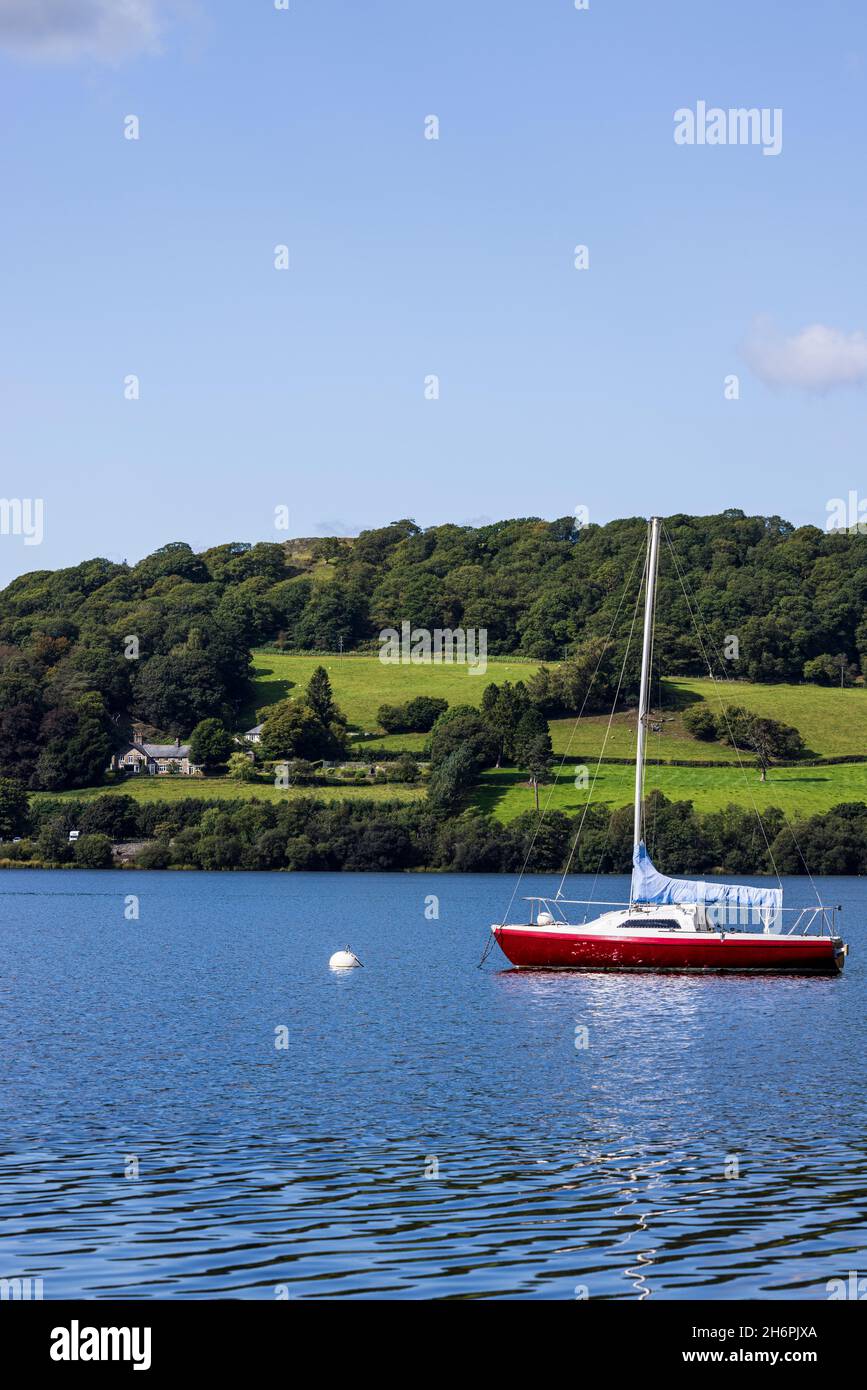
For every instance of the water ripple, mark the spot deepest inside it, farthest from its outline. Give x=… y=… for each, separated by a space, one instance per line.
x=430 y=1130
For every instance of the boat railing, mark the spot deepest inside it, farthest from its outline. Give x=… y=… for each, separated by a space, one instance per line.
x=821 y=920
x=582 y=902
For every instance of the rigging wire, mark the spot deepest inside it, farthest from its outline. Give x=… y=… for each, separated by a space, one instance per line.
x=604 y=741
x=709 y=664
x=607 y=834
x=490 y=942
x=651 y=838
x=599 y=862
x=650 y=667
x=728 y=679
x=651 y=655
x=691 y=599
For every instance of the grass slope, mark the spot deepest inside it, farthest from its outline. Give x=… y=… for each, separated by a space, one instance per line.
x=225 y=789
x=832 y=722
x=362 y=683
x=797 y=791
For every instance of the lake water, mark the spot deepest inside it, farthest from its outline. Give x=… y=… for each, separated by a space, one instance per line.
x=149 y=1046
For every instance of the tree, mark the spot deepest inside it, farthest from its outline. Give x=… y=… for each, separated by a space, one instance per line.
x=404 y=769
x=472 y=843
x=156 y=854
x=210 y=743
x=462 y=728
x=503 y=710
x=93 y=852
x=451 y=779
x=286 y=727
x=533 y=748
x=378 y=844
x=77 y=743
x=768 y=739
x=830 y=670
x=547 y=842
x=699 y=721
x=422 y=713
x=21 y=710
x=328 y=548
x=115 y=816
x=418 y=716
x=242 y=769
x=833 y=843
x=52 y=842
x=585 y=682
x=292 y=730
x=300 y=853
x=392 y=718
x=333 y=614
x=321 y=699
x=14 y=809
x=180 y=689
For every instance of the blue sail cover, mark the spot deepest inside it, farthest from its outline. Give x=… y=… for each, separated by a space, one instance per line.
x=727 y=904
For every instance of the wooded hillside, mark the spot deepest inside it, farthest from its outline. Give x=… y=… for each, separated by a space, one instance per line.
x=795 y=598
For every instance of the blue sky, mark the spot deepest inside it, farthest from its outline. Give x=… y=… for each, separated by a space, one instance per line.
x=559 y=388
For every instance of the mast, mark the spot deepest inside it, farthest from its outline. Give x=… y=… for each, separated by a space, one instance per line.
x=644 y=696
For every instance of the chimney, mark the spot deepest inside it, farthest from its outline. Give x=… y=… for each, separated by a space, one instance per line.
x=177 y=743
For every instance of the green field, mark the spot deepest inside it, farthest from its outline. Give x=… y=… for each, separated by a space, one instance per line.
x=225 y=789
x=833 y=723
x=797 y=791
x=584 y=739
x=362 y=683
x=506 y=793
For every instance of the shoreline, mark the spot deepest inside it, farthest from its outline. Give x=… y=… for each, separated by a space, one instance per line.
x=34 y=866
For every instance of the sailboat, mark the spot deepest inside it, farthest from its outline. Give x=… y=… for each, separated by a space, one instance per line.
x=671 y=923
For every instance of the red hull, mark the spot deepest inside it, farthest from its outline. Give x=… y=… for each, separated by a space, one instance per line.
x=559 y=950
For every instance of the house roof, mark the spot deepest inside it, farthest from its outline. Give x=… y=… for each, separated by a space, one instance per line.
x=166 y=750
x=256 y=729
x=159 y=750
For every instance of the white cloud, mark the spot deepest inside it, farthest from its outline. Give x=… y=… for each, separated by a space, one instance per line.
x=63 y=30
x=817 y=358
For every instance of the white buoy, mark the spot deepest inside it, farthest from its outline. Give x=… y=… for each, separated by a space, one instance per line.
x=343 y=960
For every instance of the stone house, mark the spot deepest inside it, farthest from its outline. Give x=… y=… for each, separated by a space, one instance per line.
x=155 y=759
